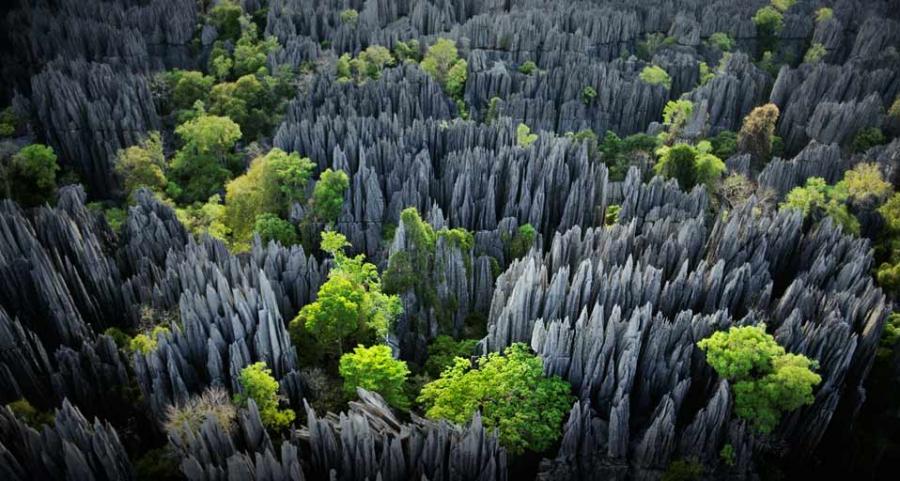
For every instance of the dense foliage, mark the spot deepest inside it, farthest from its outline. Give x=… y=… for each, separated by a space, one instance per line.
x=375 y=369
x=511 y=393
x=258 y=384
x=766 y=380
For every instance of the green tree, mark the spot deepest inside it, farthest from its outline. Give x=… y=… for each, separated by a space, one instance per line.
x=818 y=198
x=201 y=166
x=769 y=22
x=258 y=384
x=349 y=16
x=375 y=369
x=724 y=144
x=783 y=5
x=31 y=175
x=522 y=241
x=722 y=41
x=271 y=184
x=528 y=67
x=619 y=154
x=824 y=14
x=510 y=391
x=442 y=63
x=350 y=305
x=376 y=58
x=328 y=195
x=209 y=218
x=142 y=165
x=146 y=343
x=407 y=51
x=588 y=94
x=766 y=380
x=757 y=134
x=226 y=17
x=187 y=87
x=444 y=350
x=689 y=165
x=864 y=180
x=271 y=227
x=676 y=114
x=865 y=139
x=250 y=53
x=524 y=137
x=815 y=53
x=656 y=75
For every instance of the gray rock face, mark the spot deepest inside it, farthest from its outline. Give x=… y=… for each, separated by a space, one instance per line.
x=72 y=448
x=617 y=312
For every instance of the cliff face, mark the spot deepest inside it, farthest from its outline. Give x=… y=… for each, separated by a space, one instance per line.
x=620 y=281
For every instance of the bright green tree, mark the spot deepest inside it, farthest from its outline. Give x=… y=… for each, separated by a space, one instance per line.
x=815 y=53
x=690 y=165
x=350 y=305
x=656 y=75
x=271 y=184
x=722 y=41
x=524 y=137
x=142 y=165
x=676 y=114
x=512 y=394
x=375 y=369
x=864 y=181
x=766 y=380
x=201 y=166
x=271 y=227
x=817 y=197
x=442 y=62
x=30 y=177
x=328 y=195
x=187 y=87
x=258 y=384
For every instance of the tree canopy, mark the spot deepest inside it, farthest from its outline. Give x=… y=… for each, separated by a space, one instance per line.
x=512 y=394
x=258 y=384
x=766 y=380
x=375 y=369
x=350 y=305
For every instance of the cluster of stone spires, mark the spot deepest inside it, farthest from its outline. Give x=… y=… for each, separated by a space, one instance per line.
x=614 y=310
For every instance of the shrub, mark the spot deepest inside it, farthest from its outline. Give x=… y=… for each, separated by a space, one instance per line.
x=157 y=465
x=31 y=177
x=270 y=227
x=769 y=23
x=588 y=94
x=443 y=350
x=188 y=87
x=865 y=180
x=612 y=214
x=407 y=51
x=894 y=110
x=724 y=144
x=726 y=454
x=689 y=165
x=824 y=14
x=683 y=470
x=349 y=16
x=442 y=63
x=9 y=122
x=119 y=337
x=619 y=154
x=225 y=16
x=30 y=415
x=214 y=402
x=142 y=165
x=815 y=54
x=147 y=343
x=766 y=380
x=867 y=138
x=676 y=114
x=258 y=384
x=528 y=67
x=655 y=75
x=524 y=137
x=328 y=195
x=375 y=369
x=648 y=47
x=512 y=394
x=493 y=110
x=757 y=134
x=818 y=197
x=783 y=5
x=522 y=241
x=722 y=41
